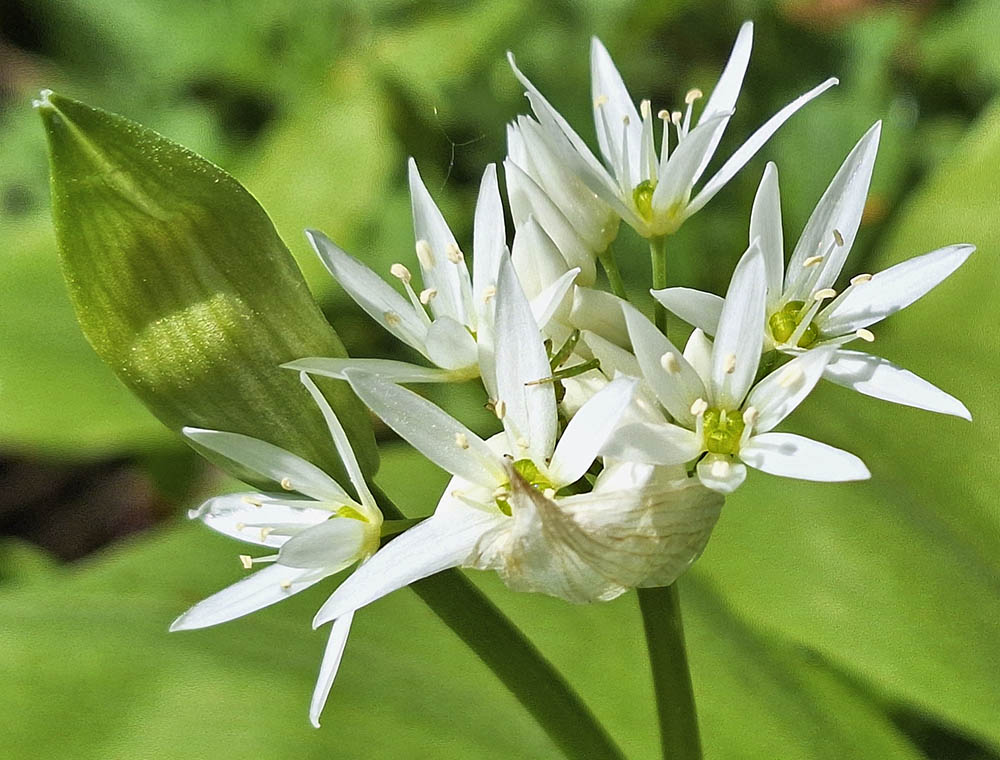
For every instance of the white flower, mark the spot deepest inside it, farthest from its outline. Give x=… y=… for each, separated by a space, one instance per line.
x=317 y=528
x=651 y=192
x=707 y=390
x=796 y=315
x=511 y=506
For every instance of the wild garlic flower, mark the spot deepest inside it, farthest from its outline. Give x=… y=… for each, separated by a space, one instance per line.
x=722 y=421
x=804 y=311
x=652 y=193
x=519 y=503
x=317 y=528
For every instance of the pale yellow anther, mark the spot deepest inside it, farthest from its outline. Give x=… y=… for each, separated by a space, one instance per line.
x=789 y=376
x=600 y=100
x=626 y=120
x=820 y=295
x=391 y=319
x=549 y=493
x=730 y=364
x=522 y=443
x=812 y=261
x=861 y=278
x=676 y=117
x=400 y=272
x=663 y=114
x=865 y=335
x=285 y=585
x=698 y=407
x=838 y=238
x=720 y=468
x=489 y=293
x=286 y=483
x=425 y=255
x=646 y=109
x=454 y=253
x=500 y=409
x=461 y=440
x=251 y=501
x=427 y=295
x=670 y=364
x=265 y=532
x=501 y=493
x=240 y=526
x=693 y=95
x=750 y=415
x=247 y=561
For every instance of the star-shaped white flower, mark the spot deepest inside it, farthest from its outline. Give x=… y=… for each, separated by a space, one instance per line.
x=719 y=419
x=796 y=315
x=317 y=528
x=652 y=193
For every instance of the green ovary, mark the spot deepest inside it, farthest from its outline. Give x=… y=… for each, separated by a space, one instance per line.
x=642 y=196
x=723 y=430
x=784 y=322
x=530 y=472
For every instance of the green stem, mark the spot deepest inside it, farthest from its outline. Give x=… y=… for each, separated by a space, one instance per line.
x=505 y=650
x=610 y=264
x=661 y=617
x=658 y=258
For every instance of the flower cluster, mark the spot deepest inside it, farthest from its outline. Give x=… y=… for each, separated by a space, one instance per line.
x=614 y=449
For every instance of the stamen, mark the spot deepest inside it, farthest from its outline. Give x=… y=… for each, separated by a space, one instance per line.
x=670 y=364
x=241 y=526
x=720 y=468
x=549 y=493
x=392 y=319
x=501 y=493
x=860 y=279
x=400 y=272
x=522 y=442
x=600 y=101
x=825 y=293
x=698 y=407
x=425 y=255
x=247 y=561
x=730 y=364
x=285 y=585
x=663 y=114
x=626 y=120
x=789 y=376
x=750 y=415
x=286 y=483
x=489 y=293
x=812 y=261
x=265 y=532
x=693 y=95
x=427 y=295
x=865 y=335
x=838 y=238
x=645 y=109
x=454 y=253
x=675 y=117
x=500 y=409
x=252 y=501
x=461 y=440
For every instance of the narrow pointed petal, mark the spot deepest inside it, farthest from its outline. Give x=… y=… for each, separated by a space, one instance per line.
x=749 y=149
x=536 y=259
x=891 y=290
x=599 y=312
x=613 y=358
x=530 y=418
x=677 y=175
x=266 y=459
x=259 y=518
x=696 y=307
x=792 y=456
x=430 y=430
x=587 y=432
x=765 y=228
x=839 y=209
x=659 y=443
x=676 y=389
x=442 y=541
x=737 y=349
x=778 y=394
x=720 y=473
x=489 y=236
x=608 y=92
x=256 y=591
x=450 y=345
x=370 y=292
x=727 y=90
x=444 y=276
x=397 y=371
x=330 y=546
x=698 y=352
x=880 y=378
x=332 y=656
x=553 y=300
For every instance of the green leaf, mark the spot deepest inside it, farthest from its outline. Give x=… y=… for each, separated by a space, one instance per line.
x=182 y=285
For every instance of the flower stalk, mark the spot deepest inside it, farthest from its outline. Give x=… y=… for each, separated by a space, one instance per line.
x=610 y=264
x=658 y=261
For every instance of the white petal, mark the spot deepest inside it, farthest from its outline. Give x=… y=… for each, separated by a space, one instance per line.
x=332 y=656
x=608 y=93
x=259 y=518
x=676 y=390
x=727 y=90
x=891 y=290
x=430 y=430
x=599 y=312
x=698 y=352
x=793 y=456
x=442 y=541
x=370 y=292
x=553 y=300
x=778 y=394
x=332 y=545
x=659 y=443
x=536 y=259
x=390 y=369
x=677 y=175
x=839 y=209
x=530 y=418
x=256 y=591
x=613 y=358
x=450 y=345
x=765 y=228
x=590 y=427
x=737 y=349
x=696 y=307
x=294 y=472
x=880 y=378
x=749 y=149
x=489 y=236
x=720 y=473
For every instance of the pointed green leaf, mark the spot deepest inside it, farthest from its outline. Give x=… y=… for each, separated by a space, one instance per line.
x=182 y=285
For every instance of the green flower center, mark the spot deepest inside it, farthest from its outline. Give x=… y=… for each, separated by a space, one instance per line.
x=785 y=322
x=642 y=196
x=723 y=430
x=530 y=472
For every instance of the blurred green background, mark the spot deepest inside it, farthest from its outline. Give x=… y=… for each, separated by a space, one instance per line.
x=824 y=621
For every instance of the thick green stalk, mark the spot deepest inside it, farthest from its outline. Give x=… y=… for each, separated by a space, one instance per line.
x=610 y=264
x=658 y=258
x=661 y=617
x=513 y=659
